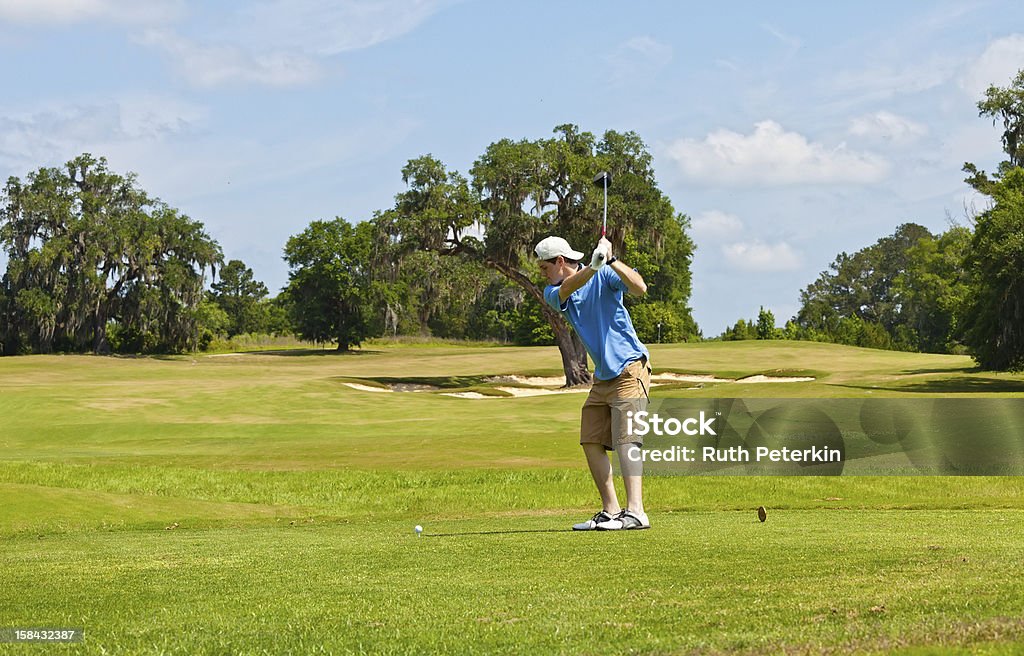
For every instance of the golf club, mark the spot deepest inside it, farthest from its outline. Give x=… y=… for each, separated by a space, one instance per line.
x=604 y=179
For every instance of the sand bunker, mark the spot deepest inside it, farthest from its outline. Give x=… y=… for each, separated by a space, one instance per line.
x=688 y=378
x=369 y=388
x=700 y=378
x=533 y=391
x=775 y=379
x=515 y=391
x=539 y=381
x=414 y=387
x=544 y=385
x=395 y=387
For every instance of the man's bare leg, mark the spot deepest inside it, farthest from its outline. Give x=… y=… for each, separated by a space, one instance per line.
x=601 y=470
x=632 y=476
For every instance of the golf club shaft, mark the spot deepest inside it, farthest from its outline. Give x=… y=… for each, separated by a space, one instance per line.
x=604 y=220
x=603 y=178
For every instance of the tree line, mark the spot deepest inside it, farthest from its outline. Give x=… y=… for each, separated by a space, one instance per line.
x=97 y=265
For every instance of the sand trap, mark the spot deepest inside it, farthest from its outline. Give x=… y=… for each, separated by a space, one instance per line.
x=539 y=381
x=515 y=392
x=775 y=379
x=414 y=387
x=700 y=378
x=533 y=391
x=369 y=388
x=397 y=387
x=553 y=384
x=689 y=378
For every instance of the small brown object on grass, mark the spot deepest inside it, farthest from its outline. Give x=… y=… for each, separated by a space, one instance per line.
x=762 y=514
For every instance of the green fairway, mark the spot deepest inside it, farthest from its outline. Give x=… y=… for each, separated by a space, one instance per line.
x=257 y=503
x=717 y=580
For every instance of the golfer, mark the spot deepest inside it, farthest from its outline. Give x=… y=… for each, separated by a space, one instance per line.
x=590 y=298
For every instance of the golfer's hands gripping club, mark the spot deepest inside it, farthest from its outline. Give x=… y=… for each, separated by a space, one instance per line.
x=602 y=254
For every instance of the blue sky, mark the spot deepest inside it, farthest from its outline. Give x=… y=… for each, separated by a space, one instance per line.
x=788 y=132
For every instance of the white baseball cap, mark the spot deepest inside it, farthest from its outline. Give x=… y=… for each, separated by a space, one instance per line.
x=551 y=247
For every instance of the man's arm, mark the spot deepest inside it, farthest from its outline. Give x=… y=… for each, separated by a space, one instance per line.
x=630 y=277
x=574 y=282
x=601 y=255
x=634 y=282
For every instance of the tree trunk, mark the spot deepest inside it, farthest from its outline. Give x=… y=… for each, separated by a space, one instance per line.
x=581 y=353
x=574 y=355
x=100 y=345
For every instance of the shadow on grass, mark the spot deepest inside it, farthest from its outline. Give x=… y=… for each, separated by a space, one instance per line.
x=959 y=384
x=935 y=370
x=313 y=352
x=444 y=382
x=184 y=357
x=440 y=382
x=177 y=357
x=508 y=532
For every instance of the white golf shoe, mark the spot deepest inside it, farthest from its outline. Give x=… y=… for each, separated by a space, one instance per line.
x=626 y=520
x=592 y=523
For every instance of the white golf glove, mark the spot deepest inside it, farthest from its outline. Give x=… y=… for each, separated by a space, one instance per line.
x=600 y=255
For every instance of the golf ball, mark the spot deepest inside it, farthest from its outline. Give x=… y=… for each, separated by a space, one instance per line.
x=418 y=529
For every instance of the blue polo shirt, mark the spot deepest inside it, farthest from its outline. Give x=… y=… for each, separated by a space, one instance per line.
x=596 y=311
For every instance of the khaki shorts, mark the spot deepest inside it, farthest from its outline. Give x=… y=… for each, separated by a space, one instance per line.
x=605 y=413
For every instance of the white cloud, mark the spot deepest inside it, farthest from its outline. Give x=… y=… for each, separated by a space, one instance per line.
x=654 y=51
x=283 y=44
x=966 y=206
x=636 y=57
x=791 y=41
x=978 y=141
x=771 y=156
x=998 y=65
x=715 y=225
x=887 y=126
x=274 y=43
x=882 y=81
x=760 y=257
x=44 y=12
x=54 y=134
x=328 y=27
x=151 y=116
x=210 y=66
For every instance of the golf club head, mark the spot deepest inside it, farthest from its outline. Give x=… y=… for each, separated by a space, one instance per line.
x=603 y=179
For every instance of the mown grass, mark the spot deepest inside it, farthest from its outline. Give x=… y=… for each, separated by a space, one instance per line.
x=260 y=497
x=256 y=504
x=803 y=582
